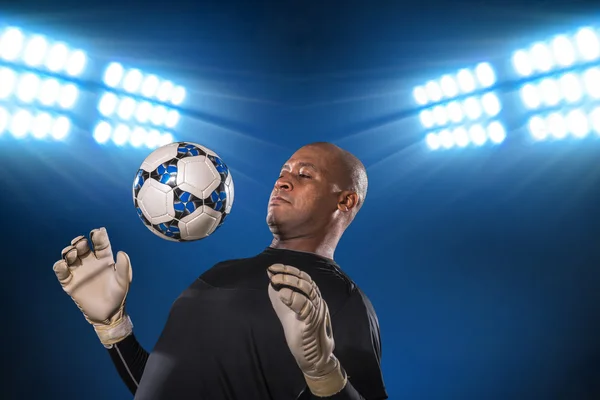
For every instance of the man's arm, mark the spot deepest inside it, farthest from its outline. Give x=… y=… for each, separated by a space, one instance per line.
x=98 y=284
x=358 y=349
x=129 y=357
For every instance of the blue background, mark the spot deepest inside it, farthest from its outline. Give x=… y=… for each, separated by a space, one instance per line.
x=483 y=264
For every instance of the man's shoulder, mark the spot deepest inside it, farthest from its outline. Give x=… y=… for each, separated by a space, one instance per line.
x=251 y=273
x=229 y=264
x=234 y=272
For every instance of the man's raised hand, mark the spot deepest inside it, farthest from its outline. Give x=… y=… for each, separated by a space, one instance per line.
x=306 y=323
x=97 y=284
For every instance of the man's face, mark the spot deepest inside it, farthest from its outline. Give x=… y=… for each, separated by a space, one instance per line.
x=305 y=196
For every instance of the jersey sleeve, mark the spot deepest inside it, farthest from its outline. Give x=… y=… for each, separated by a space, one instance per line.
x=129 y=357
x=358 y=348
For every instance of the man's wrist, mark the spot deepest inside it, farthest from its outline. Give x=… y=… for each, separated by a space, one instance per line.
x=329 y=384
x=110 y=335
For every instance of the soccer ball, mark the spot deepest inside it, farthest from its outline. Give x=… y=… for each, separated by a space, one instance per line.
x=183 y=192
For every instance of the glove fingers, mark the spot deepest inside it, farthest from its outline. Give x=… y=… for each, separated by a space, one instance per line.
x=289 y=270
x=62 y=271
x=82 y=246
x=296 y=302
x=101 y=243
x=69 y=255
x=294 y=283
x=123 y=267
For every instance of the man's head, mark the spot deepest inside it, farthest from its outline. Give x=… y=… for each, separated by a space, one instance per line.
x=319 y=191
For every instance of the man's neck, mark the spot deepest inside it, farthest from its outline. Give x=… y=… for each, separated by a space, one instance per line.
x=323 y=248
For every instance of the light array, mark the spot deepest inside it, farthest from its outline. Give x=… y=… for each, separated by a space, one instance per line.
x=564 y=86
x=35 y=84
x=576 y=123
x=460 y=109
x=40 y=124
x=563 y=51
x=139 y=109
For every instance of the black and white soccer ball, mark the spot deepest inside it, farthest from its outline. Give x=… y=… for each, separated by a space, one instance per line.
x=183 y=192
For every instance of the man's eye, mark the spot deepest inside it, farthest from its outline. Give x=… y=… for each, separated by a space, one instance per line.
x=304 y=176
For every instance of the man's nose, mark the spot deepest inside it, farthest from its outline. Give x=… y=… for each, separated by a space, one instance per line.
x=283 y=184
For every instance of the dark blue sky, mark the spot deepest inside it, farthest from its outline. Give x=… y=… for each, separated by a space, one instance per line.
x=483 y=265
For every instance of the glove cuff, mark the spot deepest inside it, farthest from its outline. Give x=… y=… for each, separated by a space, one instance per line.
x=329 y=384
x=114 y=333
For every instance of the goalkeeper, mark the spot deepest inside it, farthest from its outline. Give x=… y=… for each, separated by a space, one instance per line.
x=287 y=323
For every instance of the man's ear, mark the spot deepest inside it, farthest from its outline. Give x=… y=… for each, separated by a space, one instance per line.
x=348 y=201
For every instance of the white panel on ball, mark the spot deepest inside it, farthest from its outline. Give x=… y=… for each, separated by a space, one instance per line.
x=183 y=192
x=205 y=222
x=159 y=156
x=200 y=185
x=156 y=202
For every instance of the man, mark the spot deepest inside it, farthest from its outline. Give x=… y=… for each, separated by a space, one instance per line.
x=258 y=328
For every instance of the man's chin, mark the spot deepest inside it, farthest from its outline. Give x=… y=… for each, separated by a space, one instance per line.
x=275 y=219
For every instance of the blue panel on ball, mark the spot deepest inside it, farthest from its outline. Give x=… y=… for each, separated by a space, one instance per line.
x=179 y=207
x=190 y=207
x=184 y=203
x=188 y=150
x=166 y=173
x=168 y=230
x=217 y=200
x=185 y=197
x=140 y=177
x=164 y=178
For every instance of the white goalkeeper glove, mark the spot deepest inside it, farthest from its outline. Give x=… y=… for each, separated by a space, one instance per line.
x=306 y=323
x=97 y=284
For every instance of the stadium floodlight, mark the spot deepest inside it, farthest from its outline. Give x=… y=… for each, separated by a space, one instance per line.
x=461 y=109
x=576 y=123
x=138 y=109
x=38 y=52
x=22 y=122
x=459 y=137
x=563 y=51
x=148 y=86
x=562 y=86
x=36 y=81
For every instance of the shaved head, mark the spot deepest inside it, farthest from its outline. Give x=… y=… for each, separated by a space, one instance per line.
x=350 y=173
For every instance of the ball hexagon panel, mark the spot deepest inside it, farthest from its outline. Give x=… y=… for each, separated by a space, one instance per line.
x=155 y=200
x=197 y=175
x=199 y=225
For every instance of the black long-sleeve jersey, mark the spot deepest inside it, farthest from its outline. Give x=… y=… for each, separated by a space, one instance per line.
x=223 y=340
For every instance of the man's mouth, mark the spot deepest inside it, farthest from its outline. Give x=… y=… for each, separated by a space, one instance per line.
x=278 y=200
